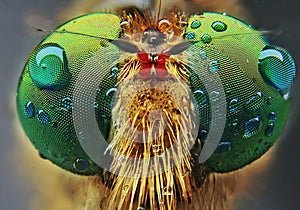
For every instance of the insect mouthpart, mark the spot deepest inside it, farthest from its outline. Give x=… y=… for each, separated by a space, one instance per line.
x=153 y=37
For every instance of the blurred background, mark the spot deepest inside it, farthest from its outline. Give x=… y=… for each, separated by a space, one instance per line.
x=279 y=183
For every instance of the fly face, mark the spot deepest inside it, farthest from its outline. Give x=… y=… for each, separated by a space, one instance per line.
x=159 y=104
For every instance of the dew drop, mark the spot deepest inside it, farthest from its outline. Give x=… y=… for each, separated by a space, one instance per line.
x=190 y=35
x=43 y=117
x=255 y=103
x=195 y=24
x=111 y=90
x=67 y=103
x=252 y=127
x=206 y=38
x=213 y=66
x=81 y=165
x=272 y=116
x=29 y=109
x=214 y=95
x=277 y=68
x=203 y=135
x=200 y=97
x=233 y=105
x=224 y=146
x=219 y=26
x=270 y=130
x=114 y=71
x=270 y=100
x=203 y=55
x=140 y=208
x=96 y=105
x=48 y=67
x=235 y=122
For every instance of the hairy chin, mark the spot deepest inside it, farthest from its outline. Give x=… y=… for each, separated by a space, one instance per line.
x=54 y=188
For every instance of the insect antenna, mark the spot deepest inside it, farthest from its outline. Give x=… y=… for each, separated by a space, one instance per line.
x=47 y=31
x=255 y=32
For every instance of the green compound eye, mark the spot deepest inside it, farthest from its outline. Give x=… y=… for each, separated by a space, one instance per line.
x=257 y=79
x=44 y=99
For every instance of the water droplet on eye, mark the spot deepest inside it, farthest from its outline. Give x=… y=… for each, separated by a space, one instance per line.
x=224 y=146
x=67 y=103
x=190 y=35
x=213 y=66
x=200 y=97
x=214 y=96
x=111 y=90
x=252 y=127
x=235 y=122
x=270 y=100
x=219 y=26
x=81 y=165
x=272 y=116
x=233 y=105
x=43 y=117
x=195 y=24
x=203 y=55
x=114 y=71
x=270 y=130
x=277 y=67
x=203 y=135
x=48 y=67
x=29 y=109
x=96 y=105
x=206 y=38
x=255 y=103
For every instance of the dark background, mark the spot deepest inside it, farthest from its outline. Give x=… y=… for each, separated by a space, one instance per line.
x=280 y=182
